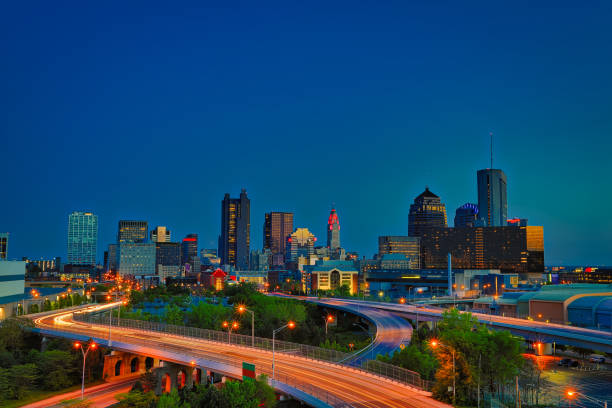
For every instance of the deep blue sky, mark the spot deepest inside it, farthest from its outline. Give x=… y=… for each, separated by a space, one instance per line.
x=144 y=111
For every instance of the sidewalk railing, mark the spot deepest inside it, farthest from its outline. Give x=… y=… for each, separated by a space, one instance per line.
x=396 y=373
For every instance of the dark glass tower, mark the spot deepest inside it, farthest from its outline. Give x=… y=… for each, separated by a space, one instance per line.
x=427 y=212
x=466 y=215
x=277 y=226
x=235 y=239
x=492 y=200
x=132 y=231
x=189 y=248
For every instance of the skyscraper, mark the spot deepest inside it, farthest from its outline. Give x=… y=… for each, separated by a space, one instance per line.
x=160 y=234
x=466 y=215
x=408 y=246
x=300 y=243
x=492 y=200
x=277 y=226
x=427 y=212
x=4 y=236
x=333 y=231
x=189 y=249
x=235 y=238
x=132 y=231
x=82 y=238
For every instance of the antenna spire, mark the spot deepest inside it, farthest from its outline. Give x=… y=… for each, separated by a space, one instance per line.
x=491 y=134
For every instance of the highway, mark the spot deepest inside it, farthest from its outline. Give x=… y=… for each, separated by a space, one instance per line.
x=529 y=329
x=345 y=385
x=98 y=396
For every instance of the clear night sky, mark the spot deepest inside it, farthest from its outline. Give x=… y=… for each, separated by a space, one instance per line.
x=143 y=111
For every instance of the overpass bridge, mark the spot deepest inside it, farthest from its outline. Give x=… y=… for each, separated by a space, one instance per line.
x=317 y=382
x=532 y=331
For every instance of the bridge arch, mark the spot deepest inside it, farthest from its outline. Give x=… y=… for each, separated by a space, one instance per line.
x=149 y=363
x=181 y=378
x=134 y=365
x=118 y=368
x=166 y=384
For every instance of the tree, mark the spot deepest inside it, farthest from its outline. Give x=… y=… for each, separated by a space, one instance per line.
x=137 y=399
x=174 y=315
x=58 y=369
x=12 y=335
x=207 y=396
x=17 y=381
x=264 y=393
x=172 y=400
x=414 y=358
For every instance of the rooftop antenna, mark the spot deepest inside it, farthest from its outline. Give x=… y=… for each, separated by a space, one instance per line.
x=491 y=134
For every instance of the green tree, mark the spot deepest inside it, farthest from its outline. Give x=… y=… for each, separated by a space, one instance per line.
x=207 y=396
x=173 y=315
x=57 y=369
x=415 y=358
x=172 y=400
x=240 y=394
x=137 y=399
x=17 y=381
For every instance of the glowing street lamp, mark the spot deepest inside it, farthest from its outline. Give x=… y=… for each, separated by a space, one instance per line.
x=241 y=309
x=230 y=327
x=91 y=346
x=434 y=343
x=328 y=319
x=290 y=325
x=402 y=301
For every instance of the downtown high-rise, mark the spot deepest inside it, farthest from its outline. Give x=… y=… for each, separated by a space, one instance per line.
x=82 y=238
x=333 y=231
x=4 y=236
x=132 y=231
x=492 y=199
x=235 y=238
x=277 y=226
x=426 y=212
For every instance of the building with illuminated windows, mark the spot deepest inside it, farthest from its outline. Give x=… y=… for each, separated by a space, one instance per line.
x=333 y=232
x=136 y=258
x=466 y=215
x=160 y=234
x=300 y=244
x=4 y=236
x=235 y=238
x=426 y=212
x=132 y=231
x=408 y=246
x=189 y=249
x=509 y=249
x=492 y=198
x=167 y=258
x=277 y=226
x=82 y=238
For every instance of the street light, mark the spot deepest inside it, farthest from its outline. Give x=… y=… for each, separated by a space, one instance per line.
x=434 y=343
x=242 y=309
x=230 y=327
x=290 y=325
x=91 y=346
x=573 y=394
x=328 y=319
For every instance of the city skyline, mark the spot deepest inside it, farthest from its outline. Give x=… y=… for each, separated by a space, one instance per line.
x=326 y=112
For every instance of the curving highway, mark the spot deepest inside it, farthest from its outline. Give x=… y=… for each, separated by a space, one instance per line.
x=340 y=385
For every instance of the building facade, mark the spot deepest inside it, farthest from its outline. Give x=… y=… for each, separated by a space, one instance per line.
x=132 y=231
x=260 y=260
x=408 y=246
x=167 y=254
x=509 y=249
x=300 y=243
x=136 y=258
x=189 y=249
x=277 y=226
x=492 y=199
x=333 y=231
x=466 y=215
x=4 y=236
x=426 y=212
x=12 y=284
x=82 y=238
x=235 y=238
x=160 y=234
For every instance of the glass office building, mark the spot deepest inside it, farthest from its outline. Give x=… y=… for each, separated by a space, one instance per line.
x=492 y=198
x=132 y=231
x=136 y=258
x=466 y=215
x=82 y=238
x=408 y=246
x=277 y=226
x=235 y=238
x=427 y=212
x=4 y=236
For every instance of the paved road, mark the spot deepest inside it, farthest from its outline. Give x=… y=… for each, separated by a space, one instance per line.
x=391 y=330
x=355 y=387
x=533 y=330
x=100 y=396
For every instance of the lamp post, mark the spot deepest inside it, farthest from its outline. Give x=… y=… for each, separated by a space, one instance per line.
x=242 y=309
x=409 y=289
x=230 y=327
x=91 y=346
x=290 y=325
x=572 y=394
x=434 y=344
x=328 y=319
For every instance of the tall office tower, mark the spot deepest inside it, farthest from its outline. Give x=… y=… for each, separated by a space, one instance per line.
x=466 y=215
x=235 y=238
x=136 y=258
x=132 y=231
x=427 y=212
x=82 y=238
x=167 y=258
x=492 y=200
x=277 y=226
x=160 y=234
x=4 y=236
x=113 y=251
x=189 y=249
x=333 y=231
x=409 y=246
x=300 y=243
